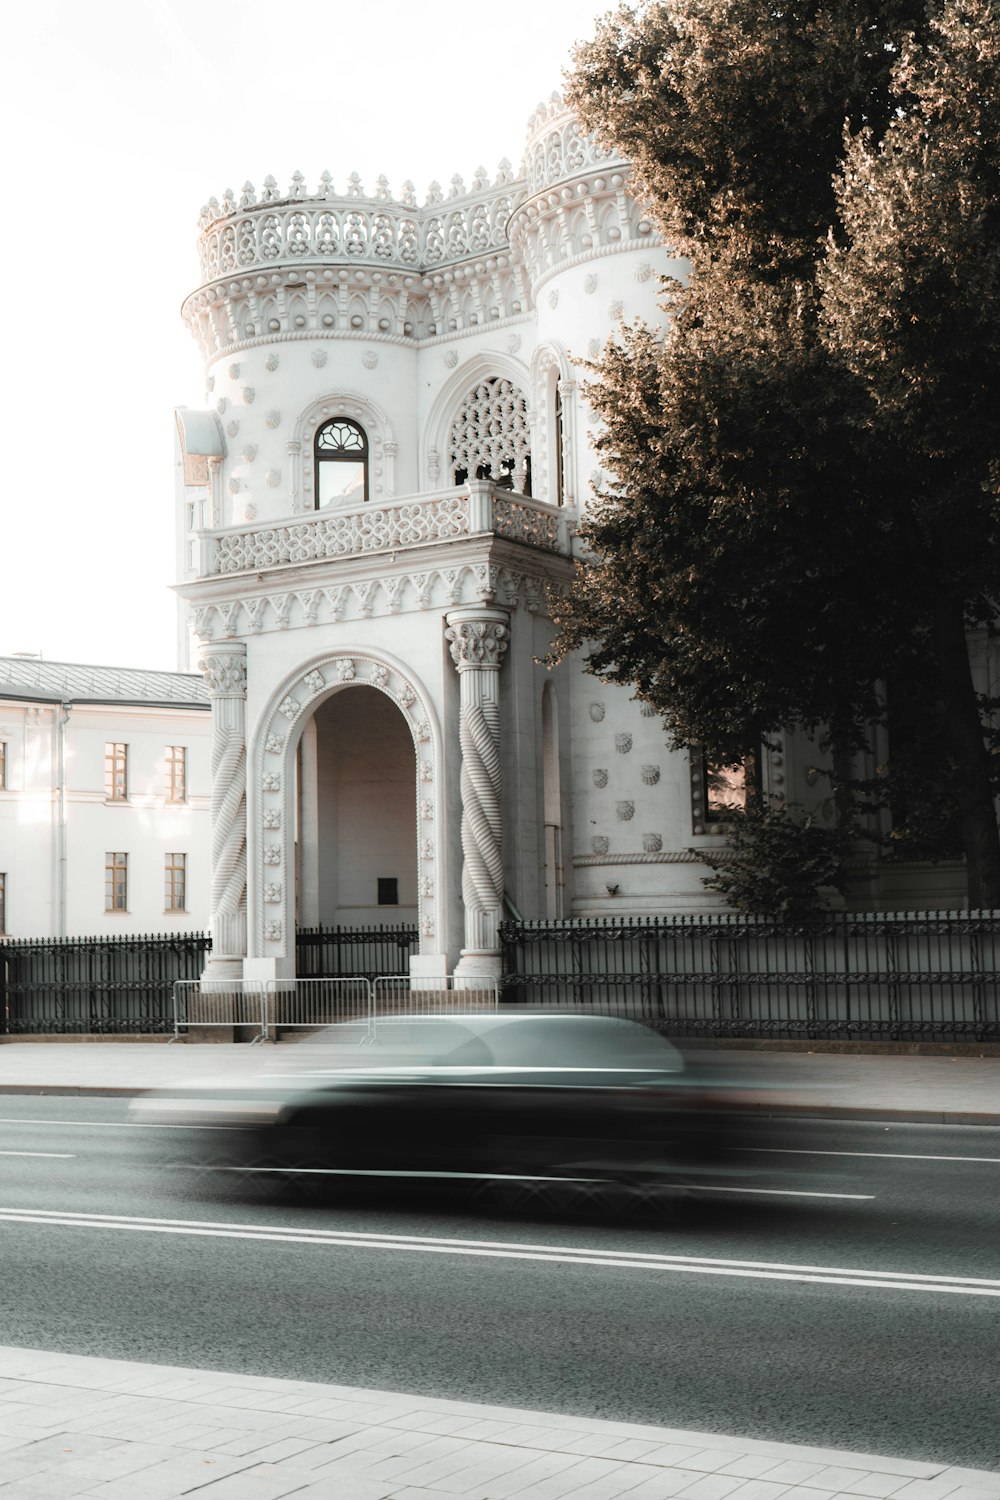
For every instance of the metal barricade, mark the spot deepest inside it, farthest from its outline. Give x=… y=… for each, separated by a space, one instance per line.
x=431 y=995
x=306 y=1004
x=219 y=1004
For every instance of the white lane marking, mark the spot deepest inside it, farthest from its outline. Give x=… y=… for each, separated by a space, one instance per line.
x=694 y=1187
x=505 y=1250
x=113 y=1124
x=53 y=1155
x=887 y=1155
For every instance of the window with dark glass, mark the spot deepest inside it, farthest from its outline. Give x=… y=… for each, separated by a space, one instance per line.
x=116 y=772
x=388 y=890
x=116 y=882
x=340 y=453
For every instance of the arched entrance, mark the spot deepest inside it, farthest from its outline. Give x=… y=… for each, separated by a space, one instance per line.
x=328 y=757
x=356 y=835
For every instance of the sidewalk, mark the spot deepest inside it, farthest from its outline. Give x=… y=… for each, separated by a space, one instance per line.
x=116 y=1430
x=930 y=1090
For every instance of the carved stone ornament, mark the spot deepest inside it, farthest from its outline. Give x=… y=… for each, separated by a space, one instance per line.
x=271 y=782
x=369 y=359
x=593 y=347
x=233 y=427
x=234 y=372
x=600 y=844
x=407 y=696
x=643 y=271
x=273 y=478
x=210 y=383
x=553 y=299
x=427 y=926
x=477 y=643
x=597 y=712
x=647 y=710
x=426 y=886
x=248 y=394
x=600 y=778
x=623 y=743
x=272 y=932
x=426 y=771
x=615 y=311
x=590 y=283
x=272 y=817
x=451 y=358
x=272 y=419
x=652 y=843
x=272 y=854
x=625 y=811
x=427 y=809
x=345 y=669
x=272 y=361
x=314 y=681
x=225 y=674
x=289 y=707
x=426 y=849
x=250 y=511
x=250 y=452
x=513 y=343
x=274 y=744
x=235 y=485
x=650 y=775
x=221 y=404
x=272 y=892
x=319 y=358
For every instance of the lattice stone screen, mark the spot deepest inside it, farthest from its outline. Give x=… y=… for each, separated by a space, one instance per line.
x=490 y=437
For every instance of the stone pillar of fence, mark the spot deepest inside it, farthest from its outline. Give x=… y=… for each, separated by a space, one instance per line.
x=478 y=639
x=223 y=664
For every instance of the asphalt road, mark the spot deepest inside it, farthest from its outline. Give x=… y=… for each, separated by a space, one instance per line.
x=845 y=1301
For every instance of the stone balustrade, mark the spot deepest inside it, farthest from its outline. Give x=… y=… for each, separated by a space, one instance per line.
x=397 y=525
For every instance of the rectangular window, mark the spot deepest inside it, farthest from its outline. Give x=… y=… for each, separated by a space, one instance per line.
x=116 y=772
x=3 y=903
x=388 y=890
x=175 y=788
x=727 y=787
x=115 y=882
x=175 y=882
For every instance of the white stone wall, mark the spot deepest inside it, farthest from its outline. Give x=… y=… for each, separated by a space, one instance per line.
x=53 y=845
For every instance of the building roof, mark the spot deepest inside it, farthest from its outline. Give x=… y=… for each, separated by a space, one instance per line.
x=68 y=682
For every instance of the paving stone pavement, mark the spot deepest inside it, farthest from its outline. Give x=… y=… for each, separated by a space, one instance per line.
x=961 y=1089
x=119 y=1430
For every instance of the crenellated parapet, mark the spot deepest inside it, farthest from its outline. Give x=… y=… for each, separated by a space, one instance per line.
x=306 y=263
x=576 y=204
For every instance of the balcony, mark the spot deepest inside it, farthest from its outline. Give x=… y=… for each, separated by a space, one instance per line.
x=473 y=510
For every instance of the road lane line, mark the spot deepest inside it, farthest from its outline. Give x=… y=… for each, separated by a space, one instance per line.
x=503 y=1250
x=887 y=1155
x=114 y=1124
x=51 y=1155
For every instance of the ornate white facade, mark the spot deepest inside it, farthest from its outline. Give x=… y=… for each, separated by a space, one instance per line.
x=440 y=341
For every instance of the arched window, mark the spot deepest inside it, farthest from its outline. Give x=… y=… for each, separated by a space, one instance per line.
x=340 y=452
x=490 y=437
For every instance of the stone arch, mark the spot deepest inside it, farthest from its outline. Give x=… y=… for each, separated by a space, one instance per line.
x=553 y=437
x=480 y=366
x=381 y=444
x=271 y=872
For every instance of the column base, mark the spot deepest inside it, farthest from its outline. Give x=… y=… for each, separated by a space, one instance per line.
x=476 y=967
x=222 y=970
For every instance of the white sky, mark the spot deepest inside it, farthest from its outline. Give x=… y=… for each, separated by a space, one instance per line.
x=120 y=119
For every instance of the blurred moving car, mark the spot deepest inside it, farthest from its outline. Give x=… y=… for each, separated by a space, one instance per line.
x=559 y=1098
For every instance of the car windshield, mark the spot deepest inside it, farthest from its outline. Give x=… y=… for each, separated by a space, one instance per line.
x=591 y=1042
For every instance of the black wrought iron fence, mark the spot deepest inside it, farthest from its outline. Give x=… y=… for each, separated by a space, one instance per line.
x=354 y=952
x=124 y=985
x=96 y=985
x=914 y=976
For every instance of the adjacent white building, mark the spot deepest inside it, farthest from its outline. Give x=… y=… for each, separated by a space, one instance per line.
x=104 y=800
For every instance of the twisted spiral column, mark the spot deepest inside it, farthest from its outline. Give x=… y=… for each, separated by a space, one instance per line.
x=223 y=664
x=478 y=639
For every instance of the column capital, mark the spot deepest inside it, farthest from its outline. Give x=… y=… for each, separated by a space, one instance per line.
x=223 y=665
x=478 y=638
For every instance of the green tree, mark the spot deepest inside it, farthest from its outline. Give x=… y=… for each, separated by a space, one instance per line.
x=785 y=516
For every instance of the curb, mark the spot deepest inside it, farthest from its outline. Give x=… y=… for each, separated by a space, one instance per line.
x=899 y=1116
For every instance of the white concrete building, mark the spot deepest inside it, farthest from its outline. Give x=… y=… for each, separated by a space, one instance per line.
x=104 y=800
x=386 y=481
